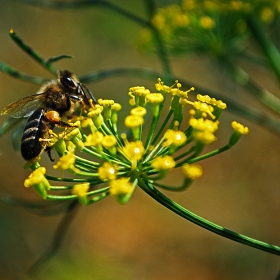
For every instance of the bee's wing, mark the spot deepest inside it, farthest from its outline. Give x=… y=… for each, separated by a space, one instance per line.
x=25 y=106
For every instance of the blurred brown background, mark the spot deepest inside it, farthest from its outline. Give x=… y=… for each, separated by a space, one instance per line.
x=141 y=240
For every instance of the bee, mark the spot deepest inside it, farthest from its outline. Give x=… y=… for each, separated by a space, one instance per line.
x=54 y=101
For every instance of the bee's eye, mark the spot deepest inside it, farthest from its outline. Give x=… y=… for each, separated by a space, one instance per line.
x=68 y=82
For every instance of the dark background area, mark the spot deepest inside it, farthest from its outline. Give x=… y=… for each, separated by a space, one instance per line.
x=141 y=240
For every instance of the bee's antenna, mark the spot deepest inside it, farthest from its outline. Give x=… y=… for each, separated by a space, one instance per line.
x=89 y=93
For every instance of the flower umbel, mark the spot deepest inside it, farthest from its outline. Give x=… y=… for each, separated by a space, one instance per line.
x=121 y=161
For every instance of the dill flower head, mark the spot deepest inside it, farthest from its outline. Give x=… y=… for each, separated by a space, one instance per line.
x=107 y=162
x=214 y=27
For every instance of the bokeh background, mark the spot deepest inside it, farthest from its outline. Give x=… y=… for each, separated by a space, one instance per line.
x=141 y=240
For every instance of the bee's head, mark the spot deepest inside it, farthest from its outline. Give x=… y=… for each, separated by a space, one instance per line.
x=68 y=80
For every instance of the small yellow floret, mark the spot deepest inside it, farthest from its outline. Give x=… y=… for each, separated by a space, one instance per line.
x=138 y=111
x=95 y=111
x=65 y=162
x=192 y=171
x=72 y=133
x=180 y=93
x=267 y=15
x=133 y=121
x=107 y=171
x=36 y=177
x=116 y=107
x=240 y=128
x=155 y=98
x=204 y=107
x=211 y=101
x=121 y=187
x=106 y=102
x=161 y=87
x=109 y=141
x=182 y=20
x=134 y=152
x=204 y=137
x=94 y=139
x=158 y=21
x=138 y=91
x=163 y=163
x=174 y=137
x=80 y=189
x=204 y=125
x=207 y=22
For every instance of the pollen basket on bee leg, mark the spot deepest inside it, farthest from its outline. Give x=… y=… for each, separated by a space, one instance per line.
x=53 y=116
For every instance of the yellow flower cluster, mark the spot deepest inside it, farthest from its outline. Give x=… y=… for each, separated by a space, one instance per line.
x=122 y=160
x=210 y=26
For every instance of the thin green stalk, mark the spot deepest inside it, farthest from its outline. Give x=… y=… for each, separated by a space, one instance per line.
x=48 y=66
x=181 y=188
x=63 y=179
x=263 y=95
x=190 y=216
x=86 y=3
x=162 y=126
x=145 y=73
x=152 y=131
x=114 y=130
x=186 y=153
x=202 y=157
x=20 y=75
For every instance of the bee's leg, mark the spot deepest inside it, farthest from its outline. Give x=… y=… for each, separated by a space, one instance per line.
x=63 y=124
x=54 y=118
x=48 y=150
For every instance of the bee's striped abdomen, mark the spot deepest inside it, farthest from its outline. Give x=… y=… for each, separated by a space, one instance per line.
x=37 y=127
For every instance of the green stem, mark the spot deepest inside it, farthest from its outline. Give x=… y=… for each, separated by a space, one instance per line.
x=269 y=49
x=188 y=215
x=22 y=76
x=146 y=73
x=32 y=53
x=263 y=95
x=199 y=158
x=72 y=180
x=152 y=131
x=181 y=188
x=86 y=3
x=163 y=126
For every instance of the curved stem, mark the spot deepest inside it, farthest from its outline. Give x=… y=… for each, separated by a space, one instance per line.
x=47 y=65
x=86 y=3
x=186 y=214
x=241 y=77
x=20 y=75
